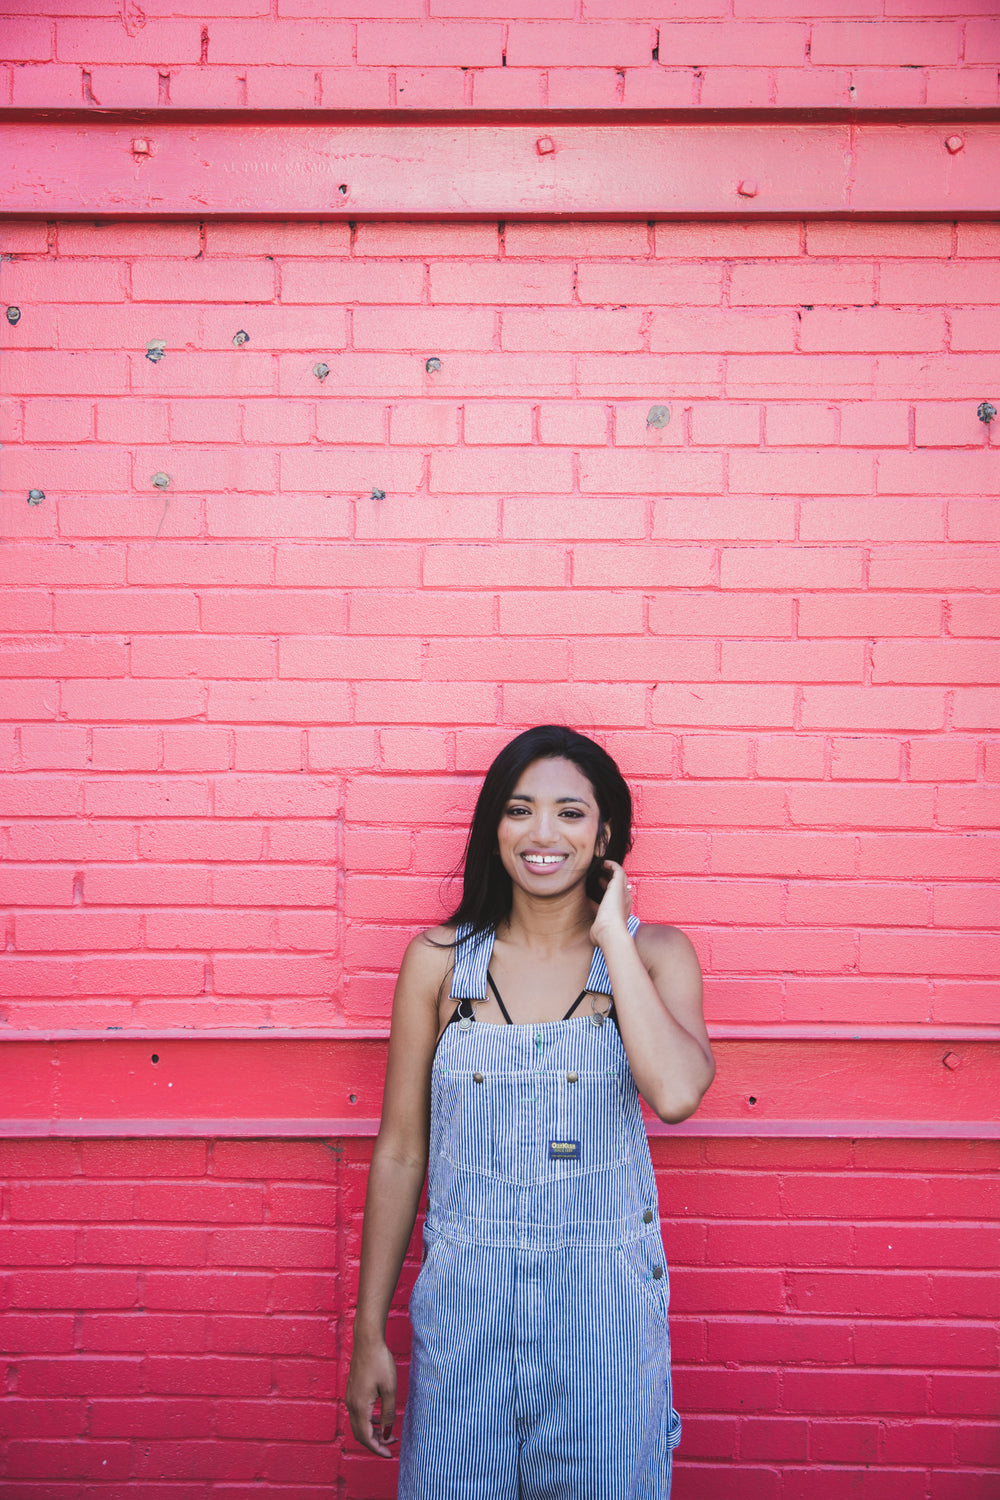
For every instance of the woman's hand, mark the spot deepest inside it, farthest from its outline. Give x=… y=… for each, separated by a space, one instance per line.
x=371 y=1383
x=616 y=905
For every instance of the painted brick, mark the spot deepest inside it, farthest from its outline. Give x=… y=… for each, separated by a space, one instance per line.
x=874 y=424
x=521 y=470
x=862 y=520
x=572 y=424
x=506 y=88
x=513 y=660
x=926 y=856
x=854 y=758
x=722 y=423
x=721 y=614
x=779 y=284
x=828 y=376
x=572 y=45
x=633 y=428
x=798 y=757
x=942 y=760
x=876 y=329
x=897 y=43
x=896 y=614
x=626 y=472
x=428 y=422
x=872 y=708
x=885 y=806
x=973 y=521
x=429 y=613
x=351 y=282
x=793 y=426
x=208 y=281
x=791 y=567
x=598 y=519
x=501 y=282
x=792 y=661
x=654 y=285
x=350 y=422
x=572 y=329
x=437 y=43
x=576 y=613
x=497 y=423
x=862 y=905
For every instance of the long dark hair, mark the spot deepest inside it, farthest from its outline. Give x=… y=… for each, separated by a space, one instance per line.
x=487 y=891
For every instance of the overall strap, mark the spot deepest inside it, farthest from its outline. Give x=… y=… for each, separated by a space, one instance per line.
x=599 y=980
x=472 y=959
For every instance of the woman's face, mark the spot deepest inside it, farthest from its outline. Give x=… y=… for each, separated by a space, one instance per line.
x=550 y=828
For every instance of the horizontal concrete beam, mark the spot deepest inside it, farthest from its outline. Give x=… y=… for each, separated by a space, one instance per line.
x=284 y=1085
x=57 y=169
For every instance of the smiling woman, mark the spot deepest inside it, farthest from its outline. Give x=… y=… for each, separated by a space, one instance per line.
x=544 y=1274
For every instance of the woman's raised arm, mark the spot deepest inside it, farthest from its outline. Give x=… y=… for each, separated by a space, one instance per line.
x=656 y=979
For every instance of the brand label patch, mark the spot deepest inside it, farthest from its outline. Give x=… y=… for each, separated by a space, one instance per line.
x=564 y=1150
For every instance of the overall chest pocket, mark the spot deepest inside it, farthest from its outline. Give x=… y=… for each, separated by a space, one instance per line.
x=463 y=1115
x=549 y=1126
x=591 y=1111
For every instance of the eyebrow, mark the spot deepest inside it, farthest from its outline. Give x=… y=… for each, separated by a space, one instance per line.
x=524 y=797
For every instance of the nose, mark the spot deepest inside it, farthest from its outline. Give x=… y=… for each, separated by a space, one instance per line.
x=545 y=830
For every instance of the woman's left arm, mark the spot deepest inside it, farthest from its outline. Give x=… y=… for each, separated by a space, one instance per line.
x=656 y=979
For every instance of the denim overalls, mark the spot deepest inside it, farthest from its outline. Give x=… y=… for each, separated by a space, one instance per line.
x=541 y=1356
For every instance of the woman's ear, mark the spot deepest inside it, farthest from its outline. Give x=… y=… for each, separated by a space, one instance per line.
x=603 y=839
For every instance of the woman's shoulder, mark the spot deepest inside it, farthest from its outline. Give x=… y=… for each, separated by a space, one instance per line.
x=430 y=955
x=658 y=942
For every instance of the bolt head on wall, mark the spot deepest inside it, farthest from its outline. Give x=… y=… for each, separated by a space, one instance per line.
x=160 y=481
x=433 y=365
x=321 y=371
x=241 y=337
x=986 y=411
x=13 y=315
x=35 y=497
x=155 y=350
x=658 y=416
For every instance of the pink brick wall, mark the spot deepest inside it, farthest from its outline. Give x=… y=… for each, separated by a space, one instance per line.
x=247 y=713
x=470 y=54
x=176 y=1324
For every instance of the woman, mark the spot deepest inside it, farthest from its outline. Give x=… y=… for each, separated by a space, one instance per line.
x=540 y=1366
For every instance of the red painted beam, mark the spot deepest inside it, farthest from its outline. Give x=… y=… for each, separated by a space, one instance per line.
x=57 y=169
x=285 y=1085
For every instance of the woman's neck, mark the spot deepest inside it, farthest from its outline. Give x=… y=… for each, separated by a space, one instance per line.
x=552 y=921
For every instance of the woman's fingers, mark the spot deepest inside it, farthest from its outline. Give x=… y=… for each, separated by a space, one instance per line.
x=374 y=1432
x=387 y=1418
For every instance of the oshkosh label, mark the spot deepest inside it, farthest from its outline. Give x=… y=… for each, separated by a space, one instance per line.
x=564 y=1150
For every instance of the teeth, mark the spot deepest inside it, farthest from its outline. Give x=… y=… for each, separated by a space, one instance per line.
x=544 y=859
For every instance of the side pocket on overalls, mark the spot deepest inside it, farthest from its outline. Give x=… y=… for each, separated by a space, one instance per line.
x=432 y=1244
x=644 y=1263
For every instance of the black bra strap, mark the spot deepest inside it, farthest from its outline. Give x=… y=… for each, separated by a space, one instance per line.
x=503 y=1008
x=576 y=1002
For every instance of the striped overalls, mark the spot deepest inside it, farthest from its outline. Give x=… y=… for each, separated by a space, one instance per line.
x=541 y=1357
